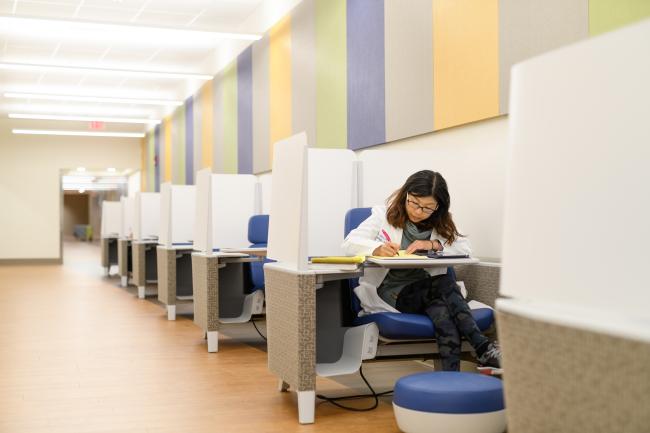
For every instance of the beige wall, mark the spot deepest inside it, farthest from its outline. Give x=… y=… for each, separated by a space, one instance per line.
x=30 y=219
x=75 y=211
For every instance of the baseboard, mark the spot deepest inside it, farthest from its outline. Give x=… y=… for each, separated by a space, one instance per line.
x=16 y=262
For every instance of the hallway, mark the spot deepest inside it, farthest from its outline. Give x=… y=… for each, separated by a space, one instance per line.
x=81 y=354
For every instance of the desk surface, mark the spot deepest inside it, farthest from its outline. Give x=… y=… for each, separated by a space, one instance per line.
x=419 y=263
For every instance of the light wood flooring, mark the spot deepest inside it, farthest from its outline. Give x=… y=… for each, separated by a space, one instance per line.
x=80 y=354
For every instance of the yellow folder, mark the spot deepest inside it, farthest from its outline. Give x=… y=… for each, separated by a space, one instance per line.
x=339 y=259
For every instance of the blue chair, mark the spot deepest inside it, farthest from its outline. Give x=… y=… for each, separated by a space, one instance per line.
x=401 y=326
x=258 y=235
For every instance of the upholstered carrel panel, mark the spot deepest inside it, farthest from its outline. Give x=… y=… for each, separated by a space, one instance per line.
x=123 y=257
x=205 y=281
x=166 y=259
x=104 y=247
x=139 y=263
x=481 y=281
x=563 y=379
x=291 y=325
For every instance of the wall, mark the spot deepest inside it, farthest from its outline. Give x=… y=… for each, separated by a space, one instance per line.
x=30 y=221
x=75 y=211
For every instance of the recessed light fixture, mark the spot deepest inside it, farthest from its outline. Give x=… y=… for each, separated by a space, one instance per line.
x=81 y=98
x=86 y=70
x=81 y=169
x=111 y=169
x=78 y=133
x=84 y=118
x=81 y=191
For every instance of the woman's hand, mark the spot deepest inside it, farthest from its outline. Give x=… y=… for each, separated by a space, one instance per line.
x=423 y=245
x=388 y=249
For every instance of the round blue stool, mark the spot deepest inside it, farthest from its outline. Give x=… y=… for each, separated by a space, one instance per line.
x=450 y=402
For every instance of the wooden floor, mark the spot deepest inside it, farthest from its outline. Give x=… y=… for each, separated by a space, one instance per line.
x=81 y=354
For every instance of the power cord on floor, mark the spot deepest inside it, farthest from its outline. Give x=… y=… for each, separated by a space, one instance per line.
x=257 y=329
x=374 y=395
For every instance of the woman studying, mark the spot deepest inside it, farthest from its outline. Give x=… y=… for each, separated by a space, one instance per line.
x=417 y=218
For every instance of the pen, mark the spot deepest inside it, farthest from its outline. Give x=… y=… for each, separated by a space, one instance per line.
x=386 y=235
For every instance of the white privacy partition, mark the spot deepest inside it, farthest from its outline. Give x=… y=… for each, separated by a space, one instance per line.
x=332 y=180
x=128 y=217
x=266 y=186
x=147 y=215
x=315 y=224
x=111 y=218
x=225 y=203
x=476 y=196
x=177 y=213
x=288 y=220
x=576 y=228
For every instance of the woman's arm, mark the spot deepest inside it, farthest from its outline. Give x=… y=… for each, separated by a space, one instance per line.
x=362 y=241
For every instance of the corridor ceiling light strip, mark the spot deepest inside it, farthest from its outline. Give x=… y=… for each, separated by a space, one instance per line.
x=79 y=98
x=78 y=133
x=83 y=118
x=85 y=69
x=134 y=33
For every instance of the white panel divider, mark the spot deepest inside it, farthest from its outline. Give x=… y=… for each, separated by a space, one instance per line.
x=203 y=220
x=332 y=192
x=476 y=196
x=177 y=214
x=288 y=219
x=576 y=229
x=266 y=184
x=128 y=217
x=233 y=201
x=147 y=215
x=111 y=224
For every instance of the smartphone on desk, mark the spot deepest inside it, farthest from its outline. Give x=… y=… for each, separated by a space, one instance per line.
x=442 y=255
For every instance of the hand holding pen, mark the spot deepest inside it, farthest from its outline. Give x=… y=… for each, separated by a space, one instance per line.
x=388 y=249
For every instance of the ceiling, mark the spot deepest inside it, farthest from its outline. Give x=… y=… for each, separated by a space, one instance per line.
x=124 y=36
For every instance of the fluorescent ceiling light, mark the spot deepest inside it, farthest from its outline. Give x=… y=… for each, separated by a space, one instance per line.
x=79 y=98
x=78 y=133
x=70 y=29
x=86 y=69
x=83 y=118
x=111 y=169
x=81 y=169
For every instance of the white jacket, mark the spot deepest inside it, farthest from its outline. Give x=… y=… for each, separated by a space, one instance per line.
x=363 y=240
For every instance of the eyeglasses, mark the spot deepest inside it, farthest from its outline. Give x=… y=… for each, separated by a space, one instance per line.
x=416 y=206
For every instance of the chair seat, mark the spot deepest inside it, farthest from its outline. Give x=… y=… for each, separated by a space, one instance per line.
x=449 y=392
x=404 y=326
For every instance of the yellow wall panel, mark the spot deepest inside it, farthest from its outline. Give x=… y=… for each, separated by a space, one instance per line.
x=167 y=125
x=206 y=123
x=465 y=61
x=280 y=81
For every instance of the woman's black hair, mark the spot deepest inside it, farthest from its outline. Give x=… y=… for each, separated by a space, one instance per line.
x=424 y=183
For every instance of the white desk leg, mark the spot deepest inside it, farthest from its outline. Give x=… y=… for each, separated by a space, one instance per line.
x=141 y=292
x=283 y=386
x=306 y=406
x=171 y=312
x=213 y=341
x=124 y=281
x=107 y=271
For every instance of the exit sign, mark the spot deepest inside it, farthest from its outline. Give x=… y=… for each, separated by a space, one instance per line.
x=96 y=125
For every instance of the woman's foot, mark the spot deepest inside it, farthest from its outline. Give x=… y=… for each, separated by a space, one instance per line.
x=491 y=356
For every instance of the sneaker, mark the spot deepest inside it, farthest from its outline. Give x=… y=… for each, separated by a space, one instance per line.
x=492 y=356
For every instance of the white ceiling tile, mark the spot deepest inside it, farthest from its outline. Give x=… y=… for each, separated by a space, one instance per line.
x=111 y=14
x=165 y=19
x=123 y=4
x=47 y=10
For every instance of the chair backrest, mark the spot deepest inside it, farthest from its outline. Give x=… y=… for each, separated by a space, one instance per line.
x=353 y=218
x=258 y=235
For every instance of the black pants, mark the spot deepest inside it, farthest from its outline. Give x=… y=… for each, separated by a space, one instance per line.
x=439 y=298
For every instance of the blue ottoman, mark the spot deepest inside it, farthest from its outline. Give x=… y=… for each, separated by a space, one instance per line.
x=449 y=402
